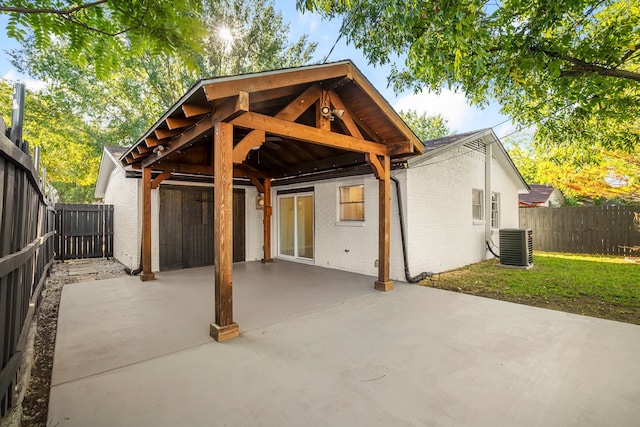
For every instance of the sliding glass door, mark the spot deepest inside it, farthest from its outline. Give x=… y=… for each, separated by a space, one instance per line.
x=295 y=213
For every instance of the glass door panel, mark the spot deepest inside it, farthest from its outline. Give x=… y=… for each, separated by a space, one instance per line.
x=304 y=227
x=287 y=226
x=296 y=226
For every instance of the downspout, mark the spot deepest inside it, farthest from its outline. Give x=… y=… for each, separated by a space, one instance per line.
x=487 y=193
x=405 y=257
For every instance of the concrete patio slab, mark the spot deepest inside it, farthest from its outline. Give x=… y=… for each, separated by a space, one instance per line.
x=333 y=353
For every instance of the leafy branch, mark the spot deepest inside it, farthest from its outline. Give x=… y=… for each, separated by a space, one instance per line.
x=582 y=67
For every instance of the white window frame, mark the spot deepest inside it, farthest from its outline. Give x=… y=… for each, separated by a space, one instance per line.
x=474 y=206
x=350 y=222
x=495 y=210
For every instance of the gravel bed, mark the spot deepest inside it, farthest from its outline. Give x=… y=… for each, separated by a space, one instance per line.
x=33 y=401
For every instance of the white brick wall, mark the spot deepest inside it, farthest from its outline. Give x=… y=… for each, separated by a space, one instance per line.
x=253 y=226
x=442 y=232
x=347 y=246
x=124 y=194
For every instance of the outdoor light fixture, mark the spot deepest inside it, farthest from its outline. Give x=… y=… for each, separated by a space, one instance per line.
x=337 y=113
x=326 y=112
x=330 y=114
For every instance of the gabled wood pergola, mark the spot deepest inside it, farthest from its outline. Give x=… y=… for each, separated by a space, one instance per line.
x=267 y=128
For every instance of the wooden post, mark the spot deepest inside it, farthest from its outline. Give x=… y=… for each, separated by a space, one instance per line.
x=268 y=210
x=224 y=328
x=147 y=274
x=384 y=227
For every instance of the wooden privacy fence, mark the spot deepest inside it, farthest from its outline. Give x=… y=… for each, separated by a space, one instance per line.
x=84 y=231
x=26 y=255
x=606 y=230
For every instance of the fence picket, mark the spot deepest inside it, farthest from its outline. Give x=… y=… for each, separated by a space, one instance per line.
x=85 y=231
x=604 y=230
x=25 y=258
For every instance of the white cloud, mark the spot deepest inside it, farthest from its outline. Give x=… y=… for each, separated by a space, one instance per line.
x=453 y=106
x=308 y=21
x=32 y=84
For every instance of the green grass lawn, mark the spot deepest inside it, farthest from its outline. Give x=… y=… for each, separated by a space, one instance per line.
x=601 y=286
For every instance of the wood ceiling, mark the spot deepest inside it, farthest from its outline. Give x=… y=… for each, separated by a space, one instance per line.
x=279 y=130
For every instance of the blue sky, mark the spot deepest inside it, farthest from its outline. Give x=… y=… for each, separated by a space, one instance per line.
x=453 y=106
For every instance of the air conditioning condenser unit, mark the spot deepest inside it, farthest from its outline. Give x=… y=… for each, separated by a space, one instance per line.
x=516 y=247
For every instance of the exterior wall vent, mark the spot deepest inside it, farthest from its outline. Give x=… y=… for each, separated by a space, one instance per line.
x=516 y=248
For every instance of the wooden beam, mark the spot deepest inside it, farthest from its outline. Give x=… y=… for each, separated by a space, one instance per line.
x=370 y=132
x=302 y=103
x=232 y=108
x=275 y=79
x=224 y=327
x=244 y=170
x=184 y=168
x=191 y=110
x=378 y=168
x=384 y=227
x=291 y=112
x=347 y=120
x=151 y=142
x=146 y=274
x=225 y=111
x=155 y=183
x=136 y=154
x=166 y=133
x=391 y=114
x=342 y=160
x=179 y=122
x=296 y=131
x=323 y=122
x=255 y=138
x=266 y=221
x=403 y=147
x=203 y=125
x=258 y=184
x=260 y=98
x=142 y=149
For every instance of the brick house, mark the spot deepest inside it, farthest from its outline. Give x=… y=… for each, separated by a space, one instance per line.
x=449 y=210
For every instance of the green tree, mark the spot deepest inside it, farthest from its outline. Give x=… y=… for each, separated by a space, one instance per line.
x=594 y=173
x=104 y=31
x=117 y=107
x=424 y=126
x=572 y=66
x=68 y=153
x=127 y=101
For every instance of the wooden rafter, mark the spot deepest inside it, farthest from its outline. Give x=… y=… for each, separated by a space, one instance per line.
x=226 y=111
x=178 y=122
x=166 y=133
x=347 y=120
x=328 y=163
x=246 y=171
x=184 y=168
x=296 y=131
x=291 y=112
x=266 y=81
x=151 y=142
x=142 y=149
x=192 y=110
